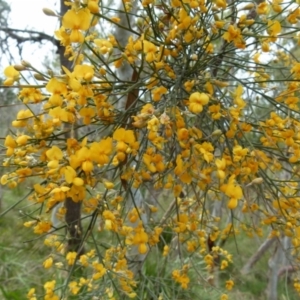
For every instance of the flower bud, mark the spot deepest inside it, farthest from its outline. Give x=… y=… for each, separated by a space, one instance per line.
x=50 y=73
x=257 y=180
x=38 y=76
x=248 y=6
x=19 y=68
x=49 y=12
x=217 y=132
x=25 y=63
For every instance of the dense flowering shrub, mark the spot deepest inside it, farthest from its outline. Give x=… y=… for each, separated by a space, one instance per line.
x=173 y=130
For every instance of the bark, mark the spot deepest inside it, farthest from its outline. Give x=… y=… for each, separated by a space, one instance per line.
x=73 y=209
x=274 y=265
x=281 y=256
x=125 y=72
x=73 y=220
x=61 y=50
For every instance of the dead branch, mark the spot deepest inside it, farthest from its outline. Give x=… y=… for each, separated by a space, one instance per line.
x=259 y=253
x=33 y=35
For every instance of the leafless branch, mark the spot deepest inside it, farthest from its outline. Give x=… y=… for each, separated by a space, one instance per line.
x=258 y=254
x=32 y=35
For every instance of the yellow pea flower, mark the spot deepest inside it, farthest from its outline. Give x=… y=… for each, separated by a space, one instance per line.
x=197 y=101
x=105 y=46
x=150 y=50
x=74 y=287
x=77 y=21
x=229 y=285
x=71 y=257
x=263 y=8
x=274 y=28
x=93 y=6
x=71 y=176
x=31 y=294
x=12 y=75
x=48 y=263
x=54 y=153
x=42 y=227
x=99 y=270
x=87 y=113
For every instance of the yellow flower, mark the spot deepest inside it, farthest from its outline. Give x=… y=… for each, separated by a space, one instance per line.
x=197 y=101
x=54 y=154
x=181 y=277
x=77 y=21
x=110 y=220
x=233 y=191
x=63 y=36
x=191 y=246
x=239 y=153
x=23 y=173
x=229 y=285
x=83 y=72
x=109 y=185
x=219 y=24
x=71 y=176
x=221 y=3
x=42 y=227
x=82 y=158
x=22 y=118
x=74 y=287
x=150 y=50
x=87 y=113
x=71 y=257
x=158 y=92
x=139 y=238
x=221 y=165
x=166 y=250
x=31 y=294
x=126 y=136
x=296 y=70
x=133 y=215
x=101 y=151
x=184 y=19
x=11 y=144
x=262 y=8
x=48 y=263
x=206 y=150
x=224 y=264
x=224 y=297
x=233 y=34
x=30 y=95
x=99 y=270
x=84 y=260
x=60 y=114
x=274 y=28
x=12 y=75
x=265 y=47
x=93 y=6
x=293 y=16
x=49 y=287
x=105 y=46
x=57 y=88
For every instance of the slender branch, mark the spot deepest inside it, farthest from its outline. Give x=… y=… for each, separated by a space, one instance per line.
x=34 y=36
x=287 y=270
x=259 y=253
